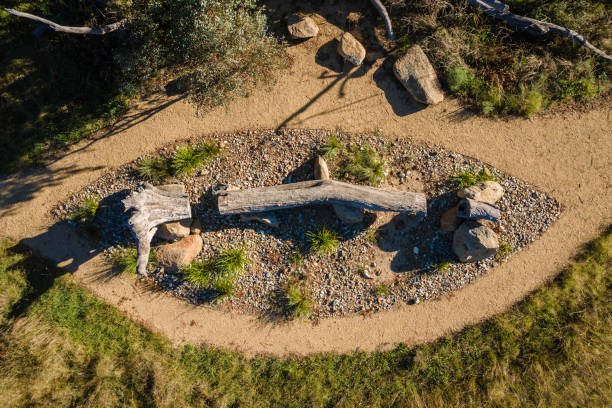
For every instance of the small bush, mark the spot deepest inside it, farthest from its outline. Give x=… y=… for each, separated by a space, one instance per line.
x=504 y=250
x=323 y=241
x=469 y=178
x=364 y=165
x=200 y=273
x=382 y=290
x=232 y=261
x=460 y=80
x=443 y=266
x=224 y=288
x=298 y=301
x=187 y=158
x=154 y=169
x=84 y=213
x=332 y=148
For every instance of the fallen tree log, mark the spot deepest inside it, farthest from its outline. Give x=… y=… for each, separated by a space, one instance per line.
x=66 y=29
x=501 y=11
x=477 y=210
x=320 y=192
x=154 y=206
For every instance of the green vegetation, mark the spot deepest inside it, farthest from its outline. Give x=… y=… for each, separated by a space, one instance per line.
x=154 y=169
x=443 y=266
x=60 y=88
x=371 y=236
x=504 y=250
x=363 y=164
x=298 y=301
x=218 y=273
x=470 y=177
x=382 y=290
x=125 y=259
x=323 y=241
x=332 y=148
x=187 y=158
x=84 y=212
x=296 y=258
x=499 y=70
x=60 y=346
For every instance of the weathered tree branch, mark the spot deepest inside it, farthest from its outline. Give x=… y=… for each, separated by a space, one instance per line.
x=72 y=30
x=501 y=11
x=154 y=206
x=320 y=192
x=385 y=16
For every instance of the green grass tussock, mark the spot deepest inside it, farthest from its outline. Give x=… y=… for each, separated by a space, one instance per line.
x=68 y=348
x=323 y=241
x=470 y=177
x=298 y=301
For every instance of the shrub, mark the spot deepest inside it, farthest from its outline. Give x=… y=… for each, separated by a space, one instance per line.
x=232 y=261
x=216 y=49
x=200 y=273
x=364 y=165
x=469 y=178
x=504 y=250
x=187 y=158
x=382 y=290
x=443 y=266
x=298 y=301
x=323 y=241
x=84 y=212
x=460 y=80
x=332 y=147
x=154 y=169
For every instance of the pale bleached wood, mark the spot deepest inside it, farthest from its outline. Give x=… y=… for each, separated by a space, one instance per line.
x=320 y=192
x=153 y=206
x=477 y=210
x=72 y=30
x=501 y=11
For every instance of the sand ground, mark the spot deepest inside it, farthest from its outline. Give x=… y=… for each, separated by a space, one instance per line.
x=568 y=156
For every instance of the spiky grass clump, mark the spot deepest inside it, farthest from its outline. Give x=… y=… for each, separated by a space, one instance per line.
x=84 y=212
x=125 y=259
x=364 y=164
x=332 y=148
x=232 y=261
x=504 y=250
x=323 y=241
x=154 y=169
x=382 y=290
x=298 y=301
x=224 y=288
x=443 y=266
x=200 y=273
x=187 y=158
x=471 y=177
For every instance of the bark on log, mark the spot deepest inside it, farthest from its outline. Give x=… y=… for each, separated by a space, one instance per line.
x=320 y=192
x=501 y=11
x=477 y=210
x=153 y=206
x=72 y=30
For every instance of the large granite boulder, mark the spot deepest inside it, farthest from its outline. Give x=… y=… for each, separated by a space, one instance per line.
x=301 y=27
x=418 y=76
x=172 y=256
x=474 y=242
x=487 y=192
x=350 y=49
x=172 y=231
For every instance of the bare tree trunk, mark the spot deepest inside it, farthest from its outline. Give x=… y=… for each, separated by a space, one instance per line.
x=72 y=30
x=501 y=11
x=264 y=199
x=153 y=206
x=385 y=16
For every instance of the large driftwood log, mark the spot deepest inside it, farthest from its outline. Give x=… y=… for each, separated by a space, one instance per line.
x=320 y=192
x=72 y=30
x=501 y=11
x=477 y=210
x=154 y=206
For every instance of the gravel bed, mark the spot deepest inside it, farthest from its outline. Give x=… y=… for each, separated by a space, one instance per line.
x=411 y=257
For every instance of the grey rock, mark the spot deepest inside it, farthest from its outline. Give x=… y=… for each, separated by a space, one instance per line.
x=473 y=242
x=487 y=192
x=418 y=76
x=300 y=27
x=348 y=214
x=350 y=49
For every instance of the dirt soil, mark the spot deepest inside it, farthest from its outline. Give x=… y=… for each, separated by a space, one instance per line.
x=566 y=156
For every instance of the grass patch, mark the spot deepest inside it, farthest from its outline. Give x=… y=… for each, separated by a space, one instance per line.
x=498 y=70
x=298 y=301
x=155 y=169
x=323 y=241
x=124 y=259
x=187 y=158
x=332 y=148
x=504 y=250
x=70 y=349
x=382 y=290
x=470 y=177
x=363 y=164
x=443 y=266
x=84 y=212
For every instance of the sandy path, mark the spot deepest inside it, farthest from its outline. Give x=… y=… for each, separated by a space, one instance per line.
x=569 y=157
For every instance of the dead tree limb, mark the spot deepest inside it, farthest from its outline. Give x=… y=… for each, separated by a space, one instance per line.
x=320 y=192
x=72 y=30
x=501 y=11
x=385 y=16
x=154 y=206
